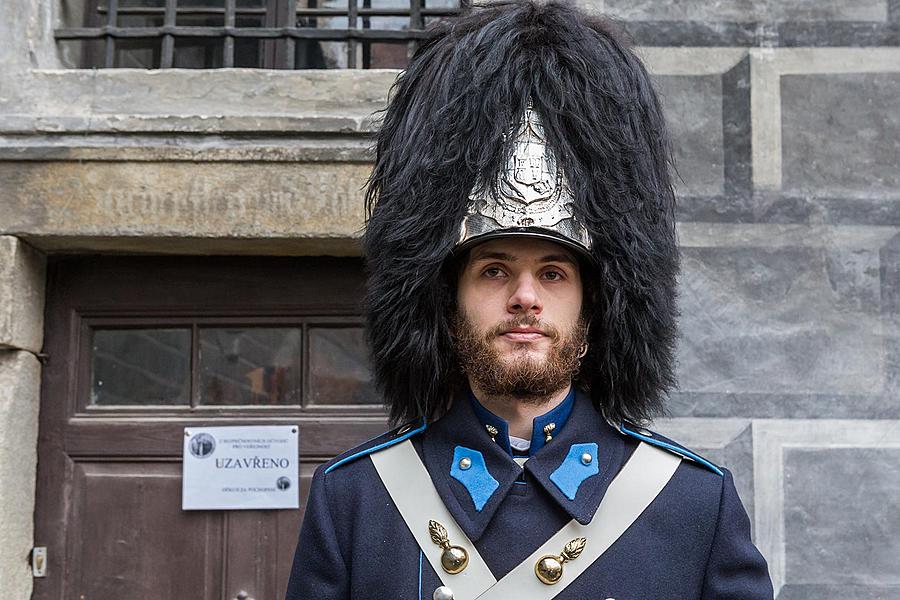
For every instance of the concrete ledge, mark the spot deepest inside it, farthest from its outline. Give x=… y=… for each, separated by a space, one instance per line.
x=134 y=244
x=22 y=277
x=203 y=204
x=192 y=100
x=137 y=147
x=20 y=376
x=361 y=120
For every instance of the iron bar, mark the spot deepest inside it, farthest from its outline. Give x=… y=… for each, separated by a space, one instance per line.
x=367 y=48
x=167 y=58
x=228 y=48
x=302 y=12
x=290 y=43
x=352 y=12
x=298 y=33
x=284 y=24
x=269 y=49
x=112 y=21
x=415 y=22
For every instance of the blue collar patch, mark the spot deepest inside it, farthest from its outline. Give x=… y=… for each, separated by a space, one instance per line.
x=470 y=470
x=580 y=464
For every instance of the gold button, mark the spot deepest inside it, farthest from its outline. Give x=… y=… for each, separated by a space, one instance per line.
x=549 y=568
x=465 y=463
x=454 y=559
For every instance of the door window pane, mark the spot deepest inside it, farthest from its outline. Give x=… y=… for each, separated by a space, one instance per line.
x=141 y=366
x=339 y=367
x=250 y=366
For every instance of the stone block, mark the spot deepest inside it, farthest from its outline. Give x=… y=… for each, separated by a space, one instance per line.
x=827 y=513
x=842 y=520
x=22 y=278
x=789 y=320
x=26 y=31
x=889 y=264
x=841 y=134
x=693 y=108
x=20 y=375
x=742 y=11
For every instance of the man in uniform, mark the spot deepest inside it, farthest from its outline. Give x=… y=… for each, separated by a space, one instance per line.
x=521 y=318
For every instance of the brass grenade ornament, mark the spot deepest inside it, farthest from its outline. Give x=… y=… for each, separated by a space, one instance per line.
x=549 y=568
x=453 y=558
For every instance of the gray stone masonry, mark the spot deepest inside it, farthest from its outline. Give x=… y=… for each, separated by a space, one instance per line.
x=862 y=157
x=20 y=376
x=744 y=10
x=22 y=274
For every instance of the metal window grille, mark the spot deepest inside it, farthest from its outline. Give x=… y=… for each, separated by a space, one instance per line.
x=268 y=34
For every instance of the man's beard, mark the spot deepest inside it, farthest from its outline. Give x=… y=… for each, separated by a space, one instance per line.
x=520 y=374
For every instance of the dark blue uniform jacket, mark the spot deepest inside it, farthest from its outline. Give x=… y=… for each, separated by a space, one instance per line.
x=692 y=542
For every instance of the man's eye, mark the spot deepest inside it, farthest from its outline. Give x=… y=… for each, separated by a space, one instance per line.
x=493 y=272
x=553 y=275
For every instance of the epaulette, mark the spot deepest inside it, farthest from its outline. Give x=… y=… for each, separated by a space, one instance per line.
x=654 y=439
x=385 y=440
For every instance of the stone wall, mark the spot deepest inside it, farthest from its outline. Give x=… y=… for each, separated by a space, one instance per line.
x=786 y=117
x=22 y=275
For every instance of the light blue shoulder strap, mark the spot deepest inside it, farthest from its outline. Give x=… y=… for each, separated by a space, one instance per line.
x=671 y=448
x=402 y=435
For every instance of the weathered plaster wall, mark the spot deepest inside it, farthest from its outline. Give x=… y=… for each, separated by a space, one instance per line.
x=787 y=129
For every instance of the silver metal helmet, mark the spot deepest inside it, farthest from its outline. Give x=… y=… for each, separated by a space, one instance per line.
x=531 y=197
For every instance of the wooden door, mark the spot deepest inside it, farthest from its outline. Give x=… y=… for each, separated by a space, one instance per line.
x=141 y=347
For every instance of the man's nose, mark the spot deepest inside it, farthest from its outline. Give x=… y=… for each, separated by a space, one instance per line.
x=525 y=296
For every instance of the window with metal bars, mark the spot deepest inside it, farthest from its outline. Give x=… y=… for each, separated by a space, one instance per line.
x=265 y=34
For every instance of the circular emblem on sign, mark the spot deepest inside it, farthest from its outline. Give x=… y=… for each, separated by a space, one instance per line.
x=283 y=483
x=202 y=445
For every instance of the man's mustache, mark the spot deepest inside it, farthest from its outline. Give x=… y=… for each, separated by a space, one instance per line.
x=524 y=321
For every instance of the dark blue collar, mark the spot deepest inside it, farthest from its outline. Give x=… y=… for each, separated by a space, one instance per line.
x=554 y=419
x=462 y=429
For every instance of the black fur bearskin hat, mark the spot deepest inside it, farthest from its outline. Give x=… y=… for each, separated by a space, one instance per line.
x=446 y=128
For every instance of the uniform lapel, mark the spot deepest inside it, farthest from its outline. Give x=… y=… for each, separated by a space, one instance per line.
x=461 y=429
x=584 y=427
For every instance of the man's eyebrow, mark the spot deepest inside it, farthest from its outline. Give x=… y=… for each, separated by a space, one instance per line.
x=494 y=256
x=565 y=258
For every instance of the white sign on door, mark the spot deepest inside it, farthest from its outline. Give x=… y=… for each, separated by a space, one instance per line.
x=240 y=468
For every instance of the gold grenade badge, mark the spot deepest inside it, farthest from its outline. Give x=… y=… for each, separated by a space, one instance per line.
x=454 y=558
x=550 y=568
